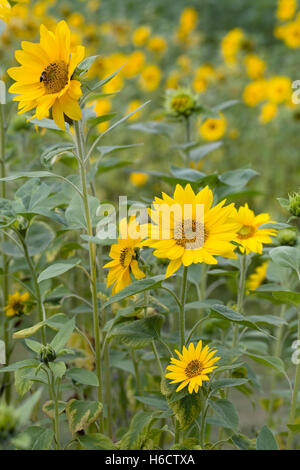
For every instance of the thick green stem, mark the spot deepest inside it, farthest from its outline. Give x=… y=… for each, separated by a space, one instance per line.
x=295 y=395
x=56 y=411
x=188 y=138
x=240 y=297
x=92 y=258
x=182 y=307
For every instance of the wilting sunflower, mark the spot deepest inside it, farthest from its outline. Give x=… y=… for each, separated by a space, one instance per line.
x=250 y=235
x=16 y=305
x=184 y=234
x=258 y=277
x=124 y=254
x=44 y=79
x=192 y=366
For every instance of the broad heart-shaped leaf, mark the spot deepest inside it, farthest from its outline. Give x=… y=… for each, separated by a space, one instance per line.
x=287 y=297
x=61 y=338
x=227 y=413
x=138 y=431
x=237 y=178
x=57 y=269
x=7 y=213
x=96 y=441
x=38 y=237
x=75 y=215
x=44 y=440
x=81 y=414
x=22 y=383
x=270 y=361
x=185 y=406
x=266 y=440
x=286 y=257
x=136 y=287
x=83 y=376
x=138 y=333
x=222 y=311
x=49 y=408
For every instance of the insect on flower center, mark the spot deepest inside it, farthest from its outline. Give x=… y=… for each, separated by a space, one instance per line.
x=193 y=368
x=126 y=256
x=246 y=232
x=190 y=234
x=55 y=77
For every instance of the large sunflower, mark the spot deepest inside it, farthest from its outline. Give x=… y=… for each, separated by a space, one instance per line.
x=192 y=366
x=192 y=236
x=250 y=236
x=124 y=254
x=44 y=79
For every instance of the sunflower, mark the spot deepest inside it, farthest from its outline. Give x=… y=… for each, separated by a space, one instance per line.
x=44 y=79
x=124 y=254
x=16 y=305
x=192 y=366
x=258 y=277
x=184 y=234
x=213 y=129
x=250 y=235
x=6 y=10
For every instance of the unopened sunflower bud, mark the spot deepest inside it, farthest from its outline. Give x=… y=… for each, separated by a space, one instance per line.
x=287 y=236
x=47 y=354
x=294 y=204
x=181 y=102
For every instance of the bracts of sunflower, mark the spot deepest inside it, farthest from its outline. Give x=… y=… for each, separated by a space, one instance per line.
x=125 y=256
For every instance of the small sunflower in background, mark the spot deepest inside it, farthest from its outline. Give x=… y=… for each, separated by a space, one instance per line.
x=17 y=304
x=125 y=254
x=192 y=367
x=257 y=278
x=185 y=235
x=138 y=179
x=213 y=128
x=44 y=78
x=250 y=236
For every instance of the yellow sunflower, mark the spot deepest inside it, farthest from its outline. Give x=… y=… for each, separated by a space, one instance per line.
x=213 y=129
x=187 y=229
x=258 y=277
x=44 y=79
x=250 y=235
x=192 y=366
x=16 y=305
x=124 y=254
x=6 y=10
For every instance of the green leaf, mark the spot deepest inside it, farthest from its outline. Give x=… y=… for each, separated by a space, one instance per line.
x=27 y=407
x=61 y=338
x=153 y=127
x=135 y=288
x=81 y=414
x=22 y=383
x=287 y=297
x=270 y=361
x=196 y=154
x=237 y=178
x=20 y=364
x=225 y=105
x=138 y=333
x=83 y=376
x=35 y=346
x=138 y=431
x=286 y=257
x=222 y=311
x=54 y=151
x=106 y=79
x=28 y=331
x=266 y=440
x=58 y=369
x=154 y=402
x=295 y=428
x=49 y=408
x=57 y=269
x=226 y=413
x=222 y=383
x=44 y=440
x=96 y=441
x=85 y=65
x=38 y=238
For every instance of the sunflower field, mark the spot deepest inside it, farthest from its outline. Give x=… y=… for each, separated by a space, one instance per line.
x=149 y=215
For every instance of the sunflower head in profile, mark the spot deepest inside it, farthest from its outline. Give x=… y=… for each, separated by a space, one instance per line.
x=44 y=78
x=250 y=236
x=192 y=367
x=125 y=256
x=17 y=304
x=186 y=228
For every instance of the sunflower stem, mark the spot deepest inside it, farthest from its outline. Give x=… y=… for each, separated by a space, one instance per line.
x=240 y=296
x=182 y=307
x=294 y=396
x=92 y=256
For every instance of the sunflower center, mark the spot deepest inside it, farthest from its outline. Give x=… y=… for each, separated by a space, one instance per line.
x=193 y=368
x=55 y=77
x=126 y=257
x=18 y=308
x=190 y=234
x=246 y=232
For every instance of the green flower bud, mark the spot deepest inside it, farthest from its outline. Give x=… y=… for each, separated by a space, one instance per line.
x=287 y=236
x=294 y=204
x=47 y=354
x=181 y=102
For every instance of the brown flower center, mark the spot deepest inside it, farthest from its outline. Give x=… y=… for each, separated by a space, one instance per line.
x=126 y=256
x=193 y=368
x=246 y=232
x=190 y=234
x=55 y=77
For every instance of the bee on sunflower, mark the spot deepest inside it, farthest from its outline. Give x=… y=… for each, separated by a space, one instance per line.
x=191 y=237
x=192 y=367
x=125 y=254
x=17 y=304
x=44 y=80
